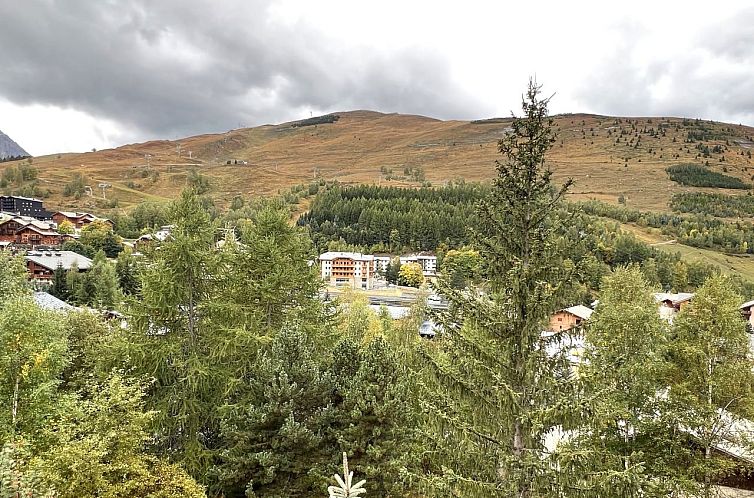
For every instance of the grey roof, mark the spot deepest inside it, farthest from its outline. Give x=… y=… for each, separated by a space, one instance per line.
x=746 y=305
x=52 y=259
x=678 y=298
x=49 y=302
x=580 y=311
x=357 y=256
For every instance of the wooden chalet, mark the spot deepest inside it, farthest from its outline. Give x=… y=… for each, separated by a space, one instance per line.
x=78 y=220
x=33 y=235
x=24 y=230
x=8 y=229
x=42 y=265
x=569 y=318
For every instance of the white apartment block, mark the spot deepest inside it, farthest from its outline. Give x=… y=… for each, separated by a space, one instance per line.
x=428 y=262
x=381 y=262
x=347 y=268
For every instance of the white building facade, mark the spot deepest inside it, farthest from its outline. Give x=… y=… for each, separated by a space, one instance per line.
x=351 y=269
x=428 y=262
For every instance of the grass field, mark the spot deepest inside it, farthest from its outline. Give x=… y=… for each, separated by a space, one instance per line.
x=607 y=157
x=732 y=264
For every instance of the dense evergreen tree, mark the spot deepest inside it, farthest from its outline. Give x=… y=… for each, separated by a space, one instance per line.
x=376 y=423
x=126 y=270
x=103 y=282
x=59 y=286
x=496 y=385
x=276 y=434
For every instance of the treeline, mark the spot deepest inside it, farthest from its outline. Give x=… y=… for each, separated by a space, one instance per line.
x=12 y=158
x=696 y=231
x=721 y=205
x=699 y=176
x=317 y=120
x=393 y=218
x=595 y=247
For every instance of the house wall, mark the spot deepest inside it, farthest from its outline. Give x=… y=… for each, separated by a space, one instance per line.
x=562 y=320
x=428 y=263
x=8 y=231
x=30 y=237
x=37 y=272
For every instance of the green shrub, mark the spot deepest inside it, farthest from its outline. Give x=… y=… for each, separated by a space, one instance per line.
x=699 y=176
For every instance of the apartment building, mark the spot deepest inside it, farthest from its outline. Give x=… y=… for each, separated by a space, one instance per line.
x=348 y=268
x=427 y=261
x=23 y=206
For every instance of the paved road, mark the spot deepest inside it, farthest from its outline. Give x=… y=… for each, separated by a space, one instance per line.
x=392 y=300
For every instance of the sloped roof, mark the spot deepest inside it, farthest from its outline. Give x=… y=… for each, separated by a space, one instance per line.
x=328 y=256
x=580 y=311
x=675 y=298
x=747 y=304
x=66 y=259
x=41 y=229
x=49 y=302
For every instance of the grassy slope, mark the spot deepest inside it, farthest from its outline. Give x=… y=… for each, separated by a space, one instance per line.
x=360 y=143
x=356 y=147
x=740 y=264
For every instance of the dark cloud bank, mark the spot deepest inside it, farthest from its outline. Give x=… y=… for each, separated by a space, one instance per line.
x=173 y=68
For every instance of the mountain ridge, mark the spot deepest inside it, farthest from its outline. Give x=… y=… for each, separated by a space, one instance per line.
x=9 y=148
x=610 y=158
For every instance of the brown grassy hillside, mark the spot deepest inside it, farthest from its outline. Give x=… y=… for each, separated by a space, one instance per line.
x=600 y=153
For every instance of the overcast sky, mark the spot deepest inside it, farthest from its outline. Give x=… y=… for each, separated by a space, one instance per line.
x=77 y=74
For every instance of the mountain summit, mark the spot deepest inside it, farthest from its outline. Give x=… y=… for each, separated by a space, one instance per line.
x=9 y=148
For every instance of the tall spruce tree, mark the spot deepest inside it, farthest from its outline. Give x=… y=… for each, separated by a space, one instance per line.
x=497 y=386
x=104 y=283
x=59 y=287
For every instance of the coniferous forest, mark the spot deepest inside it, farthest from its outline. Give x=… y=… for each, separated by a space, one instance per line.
x=228 y=376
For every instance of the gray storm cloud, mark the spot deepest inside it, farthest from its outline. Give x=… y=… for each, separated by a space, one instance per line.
x=171 y=68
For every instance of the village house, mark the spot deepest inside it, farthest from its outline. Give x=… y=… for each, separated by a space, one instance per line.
x=569 y=318
x=347 y=268
x=149 y=239
x=78 y=220
x=9 y=225
x=746 y=311
x=25 y=230
x=38 y=234
x=42 y=265
x=670 y=304
x=427 y=261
